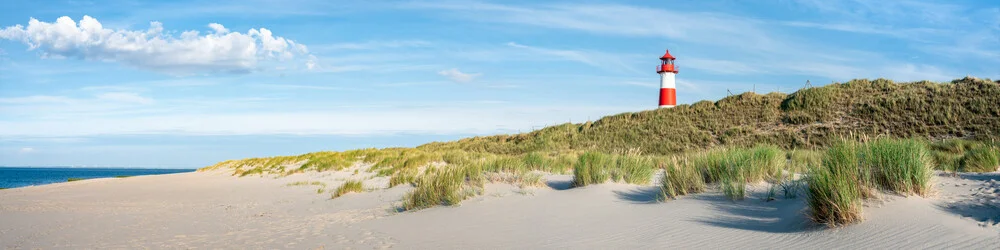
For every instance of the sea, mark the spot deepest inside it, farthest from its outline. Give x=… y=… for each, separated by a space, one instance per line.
x=13 y=177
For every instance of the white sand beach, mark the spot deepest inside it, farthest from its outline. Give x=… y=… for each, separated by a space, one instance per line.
x=216 y=210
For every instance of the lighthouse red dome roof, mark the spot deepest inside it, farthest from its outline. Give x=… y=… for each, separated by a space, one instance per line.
x=667 y=56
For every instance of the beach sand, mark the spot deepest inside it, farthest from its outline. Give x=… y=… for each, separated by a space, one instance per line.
x=217 y=210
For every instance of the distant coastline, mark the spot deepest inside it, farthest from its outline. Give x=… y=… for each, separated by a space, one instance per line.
x=15 y=177
x=101 y=167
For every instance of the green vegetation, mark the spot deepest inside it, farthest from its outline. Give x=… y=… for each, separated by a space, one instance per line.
x=306 y=183
x=731 y=168
x=730 y=143
x=754 y=164
x=835 y=193
x=591 y=168
x=800 y=161
x=981 y=159
x=351 y=186
x=852 y=172
x=448 y=187
x=810 y=118
x=900 y=166
x=123 y=176
x=597 y=168
x=633 y=169
x=790 y=187
x=682 y=178
x=320 y=190
x=74 y=179
x=405 y=176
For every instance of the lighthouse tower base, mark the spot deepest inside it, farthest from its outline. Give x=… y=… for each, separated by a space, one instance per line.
x=668 y=91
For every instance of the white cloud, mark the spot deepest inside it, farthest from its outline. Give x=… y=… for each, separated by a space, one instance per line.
x=26 y=150
x=458 y=76
x=218 y=28
x=154 y=49
x=124 y=97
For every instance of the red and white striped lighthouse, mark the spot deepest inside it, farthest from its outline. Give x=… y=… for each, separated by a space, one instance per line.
x=667 y=71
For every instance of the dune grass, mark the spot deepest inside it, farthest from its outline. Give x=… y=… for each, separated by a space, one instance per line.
x=902 y=166
x=754 y=164
x=733 y=183
x=731 y=168
x=591 y=168
x=531 y=179
x=350 y=186
x=405 y=176
x=506 y=164
x=834 y=188
x=74 y=179
x=448 y=187
x=305 y=183
x=851 y=172
x=633 y=169
x=802 y=160
x=982 y=159
x=681 y=178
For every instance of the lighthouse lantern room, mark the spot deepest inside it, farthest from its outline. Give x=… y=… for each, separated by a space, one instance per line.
x=667 y=71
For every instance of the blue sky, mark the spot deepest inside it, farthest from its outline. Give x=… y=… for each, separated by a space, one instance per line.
x=184 y=84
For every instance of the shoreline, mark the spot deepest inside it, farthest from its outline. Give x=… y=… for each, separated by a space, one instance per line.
x=85 y=179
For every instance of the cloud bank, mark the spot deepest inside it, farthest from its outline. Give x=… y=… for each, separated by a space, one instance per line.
x=190 y=53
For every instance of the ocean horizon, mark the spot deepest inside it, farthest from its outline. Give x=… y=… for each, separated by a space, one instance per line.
x=23 y=176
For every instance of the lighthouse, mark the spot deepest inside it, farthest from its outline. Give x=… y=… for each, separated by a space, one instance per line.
x=667 y=71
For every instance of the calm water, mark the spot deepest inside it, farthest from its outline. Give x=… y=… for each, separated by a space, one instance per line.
x=19 y=177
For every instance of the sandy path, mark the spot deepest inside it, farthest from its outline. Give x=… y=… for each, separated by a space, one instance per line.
x=214 y=210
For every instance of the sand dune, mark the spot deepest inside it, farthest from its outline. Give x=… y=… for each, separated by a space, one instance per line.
x=215 y=210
